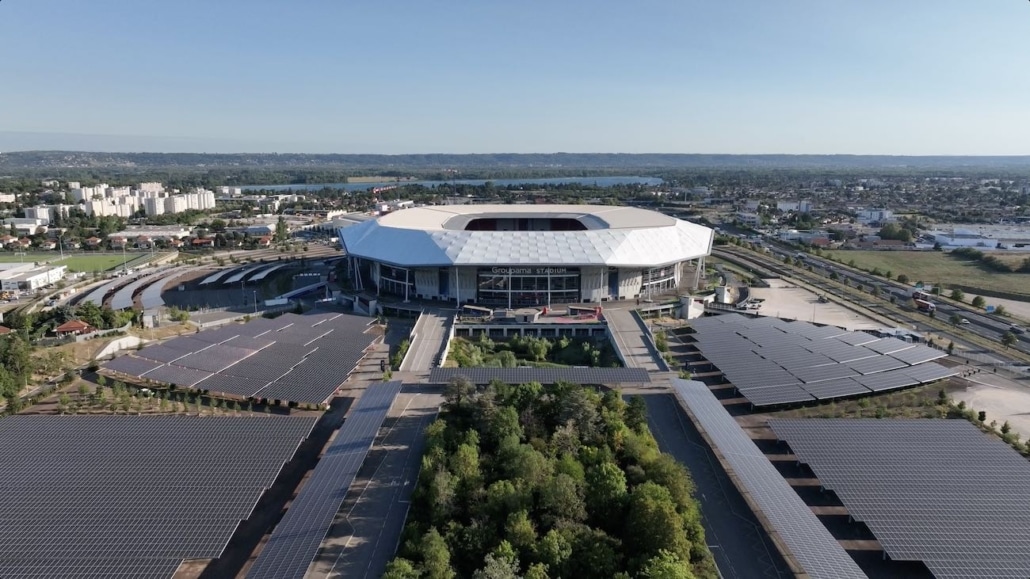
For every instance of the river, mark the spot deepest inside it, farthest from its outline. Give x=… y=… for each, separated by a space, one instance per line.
x=598 y=181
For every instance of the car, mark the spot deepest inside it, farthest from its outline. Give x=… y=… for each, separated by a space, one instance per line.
x=1017 y=329
x=963 y=321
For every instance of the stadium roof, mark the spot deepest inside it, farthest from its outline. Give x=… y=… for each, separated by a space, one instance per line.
x=614 y=236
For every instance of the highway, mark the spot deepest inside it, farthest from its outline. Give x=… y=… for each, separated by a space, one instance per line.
x=984 y=326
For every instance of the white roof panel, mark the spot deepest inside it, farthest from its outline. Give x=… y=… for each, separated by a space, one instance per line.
x=421 y=237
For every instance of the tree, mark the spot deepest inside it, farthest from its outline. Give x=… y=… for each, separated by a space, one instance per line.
x=498 y=565
x=1008 y=339
x=957 y=295
x=282 y=231
x=951 y=348
x=458 y=390
x=981 y=417
x=979 y=302
x=636 y=413
x=436 y=558
x=652 y=523
x=401 y=569
x=520 y=532
x=954 y=319
x=902 y=278
x=560 y=500
x=1000 y=311
x=605 y=494
x=1006 y=427
x=666 y=565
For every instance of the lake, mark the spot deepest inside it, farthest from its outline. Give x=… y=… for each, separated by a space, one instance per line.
x=599 y=181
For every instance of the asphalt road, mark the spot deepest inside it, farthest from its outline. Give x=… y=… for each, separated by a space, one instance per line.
x=368 y=529
x=980 y=324
x=741 y=548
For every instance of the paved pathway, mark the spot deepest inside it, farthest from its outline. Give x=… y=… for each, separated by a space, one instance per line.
x=368 y=528
x=630 y=341
x=430 y=333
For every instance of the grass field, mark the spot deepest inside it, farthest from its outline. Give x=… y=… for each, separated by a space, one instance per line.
x=78 y=262
x=935 y=268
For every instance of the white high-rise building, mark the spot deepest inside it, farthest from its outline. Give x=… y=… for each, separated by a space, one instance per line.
x=151 y=187
x=154 y=205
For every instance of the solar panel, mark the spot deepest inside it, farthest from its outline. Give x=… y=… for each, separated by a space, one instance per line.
x=918 y=354
x=877 y=364
x=178 y=375
x=131 y=365
x=132 y=496
x=296 y=539
x=335 y=343
x=542 y=375
x=937 y=491
x=888 y=346
x=807 y=540
x=795 y=355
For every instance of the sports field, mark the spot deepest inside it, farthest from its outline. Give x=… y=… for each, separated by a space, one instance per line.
x=79 y=262
x=935 y=268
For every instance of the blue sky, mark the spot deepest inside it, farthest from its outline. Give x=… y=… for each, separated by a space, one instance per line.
x=399 y=76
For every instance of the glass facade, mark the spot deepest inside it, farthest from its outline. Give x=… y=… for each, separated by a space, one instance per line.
x=527 y=286
x=658 y=280
x=392 y=280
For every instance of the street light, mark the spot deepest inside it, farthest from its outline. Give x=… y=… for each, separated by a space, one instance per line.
x=255 y=300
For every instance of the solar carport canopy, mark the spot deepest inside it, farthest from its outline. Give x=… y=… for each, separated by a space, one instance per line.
x=296 y=539
x=810 y=545
x=299 y=358
x=132 y=496
x=937 y=491
x=772 y=362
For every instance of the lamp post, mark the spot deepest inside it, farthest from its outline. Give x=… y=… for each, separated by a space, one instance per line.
x=255 y=300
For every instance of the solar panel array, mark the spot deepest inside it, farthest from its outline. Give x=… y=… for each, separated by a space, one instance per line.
x=775 y=362
x=151 y=296
x=218 y=275
x=264 y=273
x=541 y=375
x=131 y=496
x=799 y=530
x=298 y=358
x=296 y=539
x=122 y=299
x=240 y=274
x=97 y=295
x=937 y=491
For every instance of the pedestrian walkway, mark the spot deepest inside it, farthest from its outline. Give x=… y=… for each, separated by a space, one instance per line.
x=427 y=343
x=628 y=338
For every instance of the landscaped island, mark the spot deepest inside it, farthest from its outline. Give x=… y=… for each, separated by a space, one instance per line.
x=528 y=481
x=532 y=351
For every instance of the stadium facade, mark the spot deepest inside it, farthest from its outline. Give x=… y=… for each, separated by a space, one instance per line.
x=525 y=255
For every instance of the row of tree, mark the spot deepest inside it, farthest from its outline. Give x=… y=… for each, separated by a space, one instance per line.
x=527 y=481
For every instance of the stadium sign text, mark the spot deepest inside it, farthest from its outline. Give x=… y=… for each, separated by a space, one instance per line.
x=528 y=270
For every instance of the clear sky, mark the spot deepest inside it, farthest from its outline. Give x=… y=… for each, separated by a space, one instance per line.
x=475 y=76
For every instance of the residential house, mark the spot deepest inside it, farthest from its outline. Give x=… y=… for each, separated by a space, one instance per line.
x=73 y=328
x=144 y=242
x=4 y=330
x=48 y=244
x=93 y=242
x=202 y=242
x=264 y=241
x=117 y=242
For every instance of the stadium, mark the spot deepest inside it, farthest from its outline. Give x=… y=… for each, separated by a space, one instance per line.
x=524 y=255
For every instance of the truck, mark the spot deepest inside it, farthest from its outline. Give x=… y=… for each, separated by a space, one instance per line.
x=925 y=306
x=920 y=295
